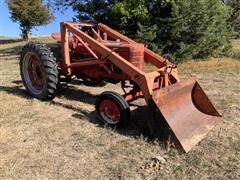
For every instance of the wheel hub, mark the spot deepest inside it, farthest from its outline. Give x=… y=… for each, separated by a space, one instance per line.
x=110 y=111
x=35 y=72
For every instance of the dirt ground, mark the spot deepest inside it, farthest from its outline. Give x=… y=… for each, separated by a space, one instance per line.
x=63 y=140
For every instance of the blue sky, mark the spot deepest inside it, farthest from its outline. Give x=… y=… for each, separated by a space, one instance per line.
x=9 y=28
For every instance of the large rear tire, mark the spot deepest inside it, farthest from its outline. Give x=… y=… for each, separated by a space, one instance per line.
x=38 y=69
x=111 y=108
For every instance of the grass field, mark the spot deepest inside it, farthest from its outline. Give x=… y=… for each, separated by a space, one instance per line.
x=62 y=139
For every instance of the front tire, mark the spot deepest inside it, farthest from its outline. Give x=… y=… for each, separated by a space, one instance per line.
x=38 y=70
x=111 y=108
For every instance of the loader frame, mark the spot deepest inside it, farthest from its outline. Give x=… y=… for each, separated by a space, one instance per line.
x=147 y=82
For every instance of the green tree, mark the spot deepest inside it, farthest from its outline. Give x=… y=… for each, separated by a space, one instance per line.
x=235 y=16
x=192 y=28
x=122 y=15
x=29 y=14
x=127 y=16
x=182 y=28
x=130 y=17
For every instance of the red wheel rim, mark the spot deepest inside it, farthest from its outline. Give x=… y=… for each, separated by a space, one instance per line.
x=35 y=72
x=110 y=111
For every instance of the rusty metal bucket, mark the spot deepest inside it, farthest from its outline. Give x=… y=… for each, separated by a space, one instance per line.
x=187 y=110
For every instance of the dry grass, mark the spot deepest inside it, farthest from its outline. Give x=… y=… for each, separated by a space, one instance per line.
x=235 y=52
x=62 y=139
x=236 y=44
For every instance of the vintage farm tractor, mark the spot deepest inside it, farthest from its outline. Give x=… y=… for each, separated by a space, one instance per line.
x=95 y=53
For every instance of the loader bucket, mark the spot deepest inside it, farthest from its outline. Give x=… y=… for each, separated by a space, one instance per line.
x=187 y=111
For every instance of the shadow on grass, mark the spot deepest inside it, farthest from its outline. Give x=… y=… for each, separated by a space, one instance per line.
x=138 y=125
x=10 y=41
x=11 y=51
x=72 y=93
x=16 y=90
x=17 y=82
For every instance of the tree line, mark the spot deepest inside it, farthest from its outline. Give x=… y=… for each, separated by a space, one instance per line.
x=180 y=29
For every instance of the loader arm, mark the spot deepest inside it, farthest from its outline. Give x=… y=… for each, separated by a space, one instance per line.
x=144 y=80
x=149 y=55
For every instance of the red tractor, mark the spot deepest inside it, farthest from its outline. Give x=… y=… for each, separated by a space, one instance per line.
x=94 y=53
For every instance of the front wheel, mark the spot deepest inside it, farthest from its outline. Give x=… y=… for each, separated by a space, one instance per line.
x=111 y=108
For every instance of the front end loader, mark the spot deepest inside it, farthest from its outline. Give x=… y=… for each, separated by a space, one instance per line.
x=96 y=54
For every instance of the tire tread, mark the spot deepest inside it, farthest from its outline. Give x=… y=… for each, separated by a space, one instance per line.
x=49 y=67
